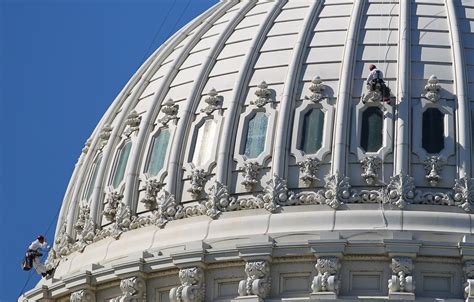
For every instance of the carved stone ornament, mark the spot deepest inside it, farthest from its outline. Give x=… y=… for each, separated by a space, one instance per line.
x=370 y=165
x=133 y=289
x=82 y=295
x=133 y=122
x=218 y=200
x=263 y=95
x=317 y=88
x=122 y=220
x=401 y=280
x=372 y=96
x=112 y=198
x=433 y=166
x=469 y=279
x=104 y=135
x=464 y=193
x=63 y=242
x=308 y=168
x=192 y=288
x=152 y=186
x=327 y=280
x=170 y=109
x=338 y=190
x=198 y=182
x=168 y=210
x=250 y=171
x=87 y=146
x=258 y=282
x=84 y=212
x=276 y=194
x=86 y=235
x=400 y=190
x=213 y=102
x=432 y=90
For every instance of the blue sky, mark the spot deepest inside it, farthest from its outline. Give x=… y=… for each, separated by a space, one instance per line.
x=62 y=62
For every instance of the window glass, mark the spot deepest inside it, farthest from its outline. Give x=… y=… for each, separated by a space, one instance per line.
x=255 y=138
x=372 y=129
x=206 y=139
x=121 y=164
x=312 y=132
x=158 y=152
x=91 y=183
x=433 y=130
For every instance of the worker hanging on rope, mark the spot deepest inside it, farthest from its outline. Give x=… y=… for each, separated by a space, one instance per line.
x=33 y=255
x=375 y=82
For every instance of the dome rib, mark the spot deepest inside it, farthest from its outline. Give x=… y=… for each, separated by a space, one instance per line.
x=344 y=98
x=185 y=122
x=403 y=94
x=463 y=112
x=232 y=116
x=288 y=100
x=160 y=94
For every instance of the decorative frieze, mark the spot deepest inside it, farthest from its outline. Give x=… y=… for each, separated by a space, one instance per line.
x=327 y=280
x=213 y=102
x=218 y=200
x=370 y=165
x=401 y=190
x=192 y=288
x=464 y=193
x=258 y=281
x=432 y=90
x=170 y=110
x=250 y=171
x=276 y=194
x=401 y=280
x=133 y=290
x=433 y=166
x=198 y=182
x=317 y=88
x=308 y=170
x=168 y=210
x=263 y=95
x=337 y=190
x=82 y=295
x=151 y=186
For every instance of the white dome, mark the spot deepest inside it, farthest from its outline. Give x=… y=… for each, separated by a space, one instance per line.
x=250 y=138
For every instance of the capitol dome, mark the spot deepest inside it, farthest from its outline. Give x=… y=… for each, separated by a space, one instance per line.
x=247 y=159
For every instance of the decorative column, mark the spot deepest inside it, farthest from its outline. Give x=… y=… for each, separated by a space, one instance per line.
x=329 y=252
x=133 y=290
x=82 y=295
x=257 y=284
x=192 y=288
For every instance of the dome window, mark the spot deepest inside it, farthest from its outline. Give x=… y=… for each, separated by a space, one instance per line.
x=372 y=129
x=158 y=152
x=121 y=164
x=256 y=132
x=205 y=138
x=312 y=132
x=93 y=177
x=433 y=130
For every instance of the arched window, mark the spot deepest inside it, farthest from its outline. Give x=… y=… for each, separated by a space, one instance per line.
x=255 y=137
x=158 y=152
x=121 y=164
x=92 y=177
x=433 y=130
x=371 y=136
x=206 y=137
x=312 y=132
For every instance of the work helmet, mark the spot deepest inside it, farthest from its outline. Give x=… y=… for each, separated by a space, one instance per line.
x=40 y=237
x=372 y=67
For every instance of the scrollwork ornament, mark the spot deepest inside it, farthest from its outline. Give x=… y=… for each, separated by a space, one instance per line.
x=464 y=193
x=87 y=146
x=198 y=182
x=250 y=171
x=218 y=200
x=112 y=198
x=133 y=122
x=104 y=135
x=87 y=234
x=84 y=212
x=168 y=210
x=122 y=220
x=170 y=110
x=432 y=90
x=433 y=166
x=82 y=295
x=263 y=95
x=372 y=95
x=213 y=101
x=192 y=288
x=337 y=190
x=317 y=88
x=133 y=290
x=370 y=165
x=258 y=281
x=327 y=280
x=276 y=194
x=308 y=169
x=401 y=280
x=151 y=186
x=400 y=190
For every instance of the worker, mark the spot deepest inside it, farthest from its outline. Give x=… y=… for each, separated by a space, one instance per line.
x=35 y=252
x=375 y=79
